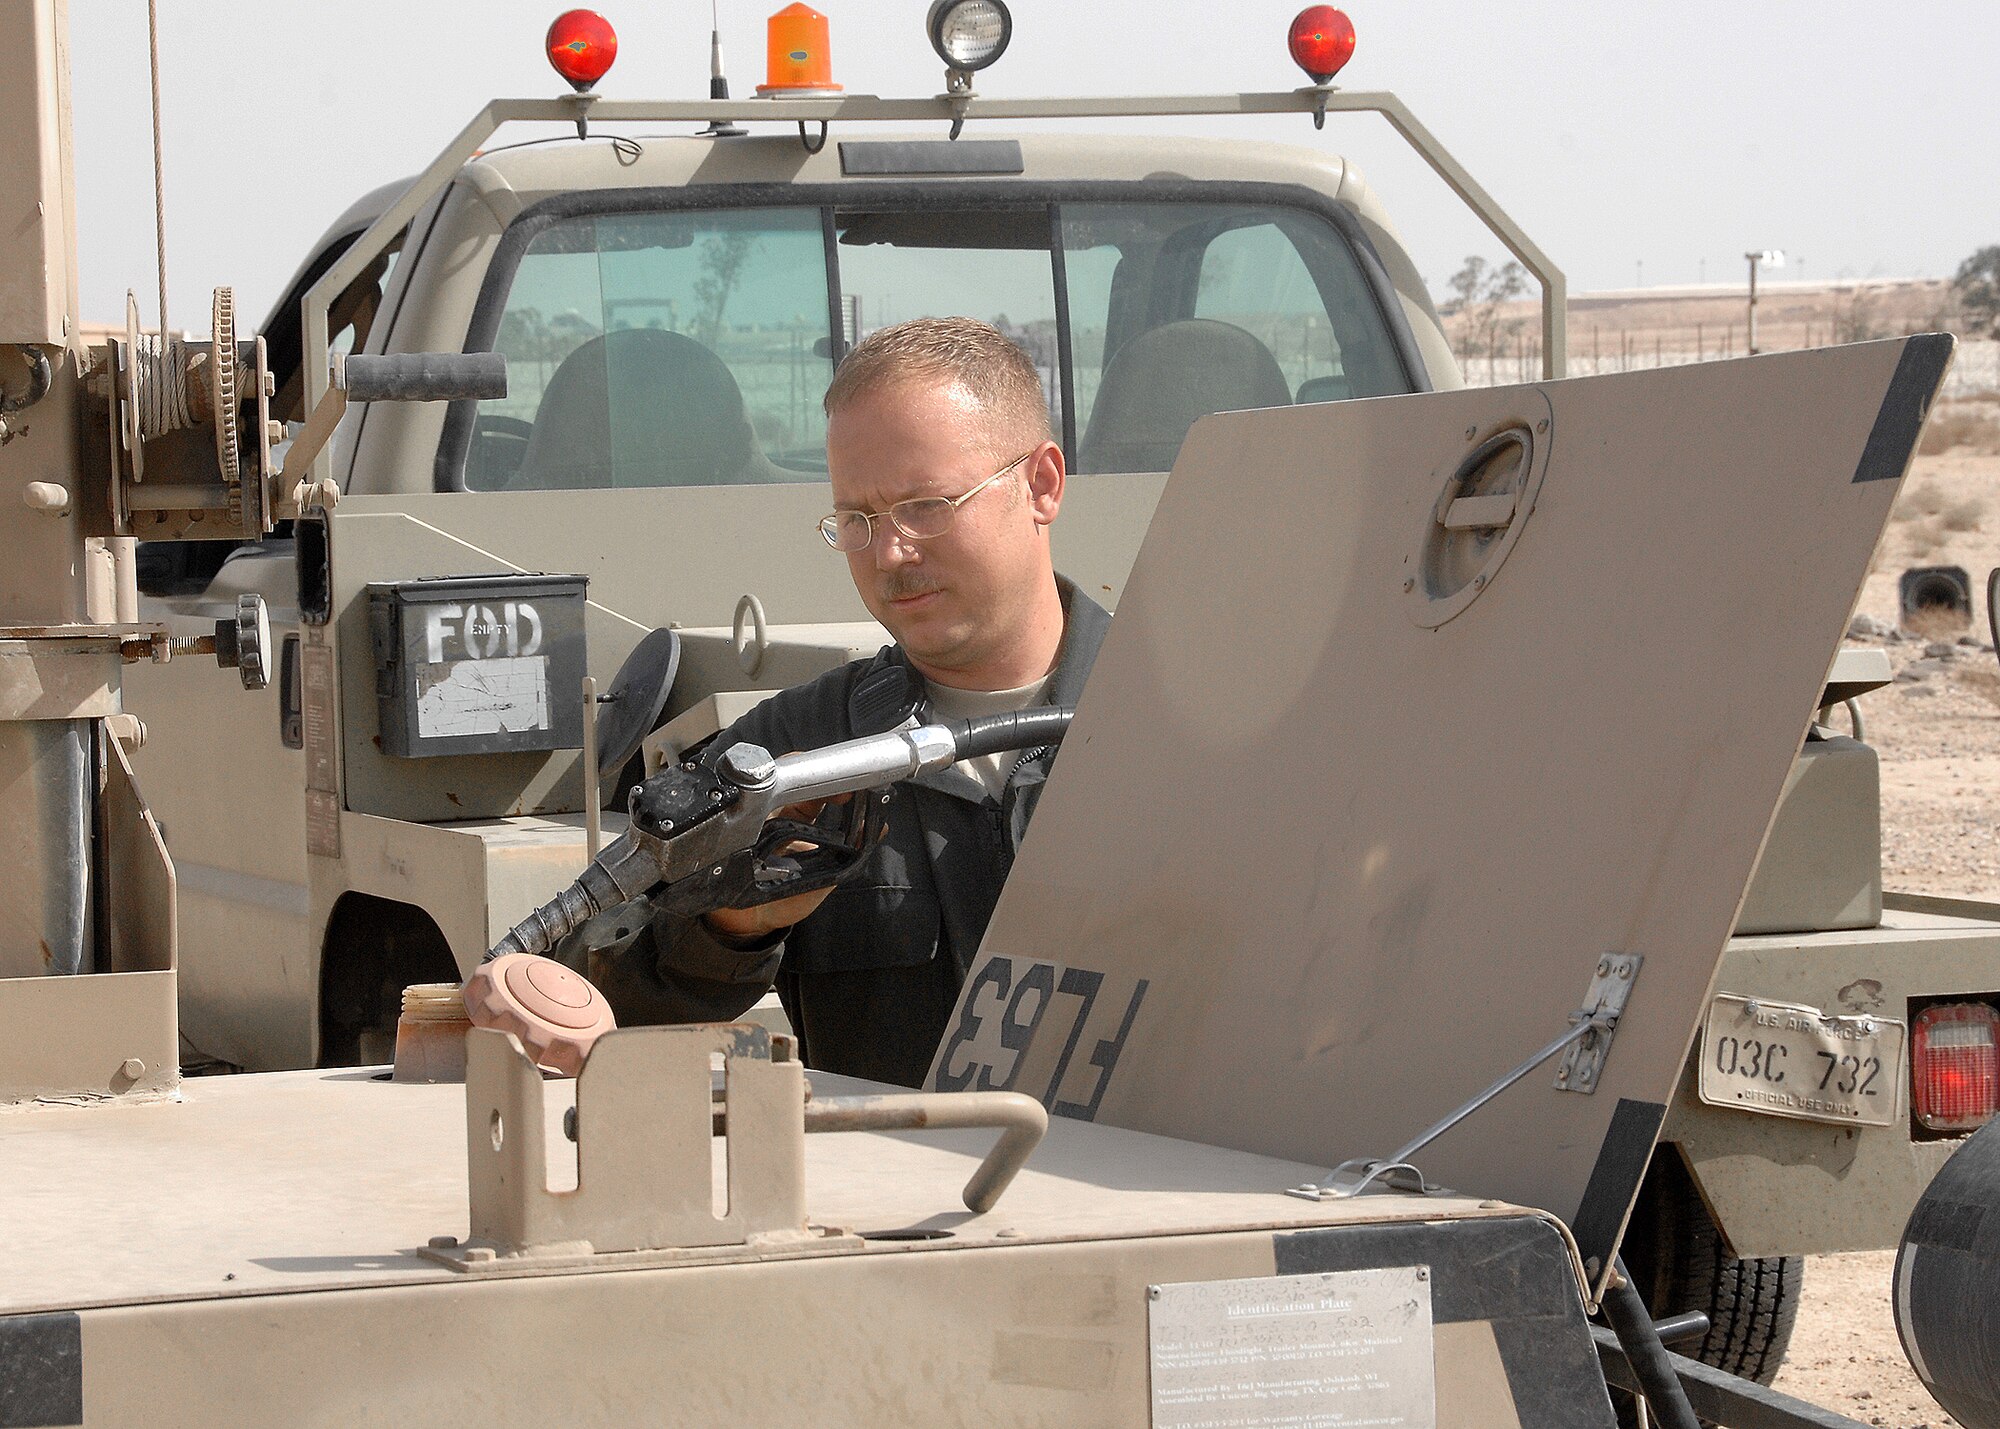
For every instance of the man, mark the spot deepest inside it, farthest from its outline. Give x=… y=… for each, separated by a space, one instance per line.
x=946 y=479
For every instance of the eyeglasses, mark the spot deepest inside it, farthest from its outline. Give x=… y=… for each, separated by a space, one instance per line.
x=923 y=518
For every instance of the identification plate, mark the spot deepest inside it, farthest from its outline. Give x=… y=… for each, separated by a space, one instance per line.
x=1784 y=1059
x=1344 y=1347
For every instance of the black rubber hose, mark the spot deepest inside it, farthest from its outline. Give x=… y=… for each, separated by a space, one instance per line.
x=1632 y=1322
x=426 y=377
x=1022 y=729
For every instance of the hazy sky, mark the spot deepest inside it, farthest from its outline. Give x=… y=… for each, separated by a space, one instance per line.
x=1859 y=137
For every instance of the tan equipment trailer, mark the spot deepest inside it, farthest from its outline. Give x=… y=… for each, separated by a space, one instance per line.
x=426 y=860
x=1155 y=280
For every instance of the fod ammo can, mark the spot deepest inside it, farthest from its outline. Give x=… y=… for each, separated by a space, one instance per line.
x=479 y=664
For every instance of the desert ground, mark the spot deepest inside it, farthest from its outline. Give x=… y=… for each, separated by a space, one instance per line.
x=1937 y=730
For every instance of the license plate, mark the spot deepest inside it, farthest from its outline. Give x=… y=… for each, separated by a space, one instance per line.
x=1784 y=1059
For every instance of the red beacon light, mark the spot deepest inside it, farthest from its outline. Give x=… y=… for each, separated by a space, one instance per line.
x=581 y=45
x=1321 y=41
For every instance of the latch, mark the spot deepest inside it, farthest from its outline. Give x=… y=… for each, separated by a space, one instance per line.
x=1603 y=1004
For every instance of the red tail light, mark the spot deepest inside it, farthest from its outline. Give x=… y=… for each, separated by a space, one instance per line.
x=581 y=46
x=1955 y=1066
x=1321 y=41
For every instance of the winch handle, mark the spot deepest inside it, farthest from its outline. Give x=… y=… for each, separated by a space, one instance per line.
x=423 y=377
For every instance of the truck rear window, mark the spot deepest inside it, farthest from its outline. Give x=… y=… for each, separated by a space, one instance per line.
x=691 y=347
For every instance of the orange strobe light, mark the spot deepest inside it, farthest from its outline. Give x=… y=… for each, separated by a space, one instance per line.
x=1321 y=41
x=797 y=60
x=581 y=46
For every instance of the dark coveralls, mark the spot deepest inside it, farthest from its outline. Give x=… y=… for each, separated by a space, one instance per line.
x=870 y=978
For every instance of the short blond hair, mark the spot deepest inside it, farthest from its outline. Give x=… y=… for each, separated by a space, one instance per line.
x=975 y=355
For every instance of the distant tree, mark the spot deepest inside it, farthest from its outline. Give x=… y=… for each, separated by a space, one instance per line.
x=1977 y=288
x=722 y=261
x=1855 y=313
x=1478 y=292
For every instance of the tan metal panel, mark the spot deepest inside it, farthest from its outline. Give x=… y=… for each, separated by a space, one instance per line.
x=136 y=876
x=37 y=193
x=199 y=1198
x=1390 y=868
x=83 y=1038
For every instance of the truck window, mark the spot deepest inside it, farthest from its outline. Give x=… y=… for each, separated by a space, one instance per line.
x=692 y=347
x=994 y=265
x=1179 y=310
x=661 y=349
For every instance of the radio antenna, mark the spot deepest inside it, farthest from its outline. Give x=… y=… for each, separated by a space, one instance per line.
x=159 y=175
x=718 y=82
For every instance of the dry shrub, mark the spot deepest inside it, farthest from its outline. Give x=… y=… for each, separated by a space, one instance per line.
x=1936 y=622
x=1981 y=679
x=1968 y=425
x=1922 y=538
x=1964 y=514
x=1920 y=499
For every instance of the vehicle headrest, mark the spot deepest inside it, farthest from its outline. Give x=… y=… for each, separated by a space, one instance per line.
x=1165 y=378
x=642 y=407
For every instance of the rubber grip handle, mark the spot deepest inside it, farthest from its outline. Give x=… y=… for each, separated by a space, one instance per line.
x=426 y=377
x=1023 y=729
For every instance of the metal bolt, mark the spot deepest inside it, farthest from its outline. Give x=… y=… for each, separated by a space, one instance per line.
x=1479 y=582
x=715 y=872
x=569 y=1123
x=132 y=1068
x=1152 y=1292
x=1583 y=1074
x=1604 y=967
x=1489 y=1205
x=443 y=1242
x=1471 y=432
x=1409 y=583
x=1543 y=425
x=1423 y=1272
x=747 y=765
x=480 y=1254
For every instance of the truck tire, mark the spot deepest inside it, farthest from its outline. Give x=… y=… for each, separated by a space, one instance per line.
x=1679 y=1263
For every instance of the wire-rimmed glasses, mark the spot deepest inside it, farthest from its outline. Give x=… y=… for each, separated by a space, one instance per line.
x=922 y=518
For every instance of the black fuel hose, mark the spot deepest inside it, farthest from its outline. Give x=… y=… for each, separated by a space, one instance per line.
x=1639 y=1338
x=1021 y=729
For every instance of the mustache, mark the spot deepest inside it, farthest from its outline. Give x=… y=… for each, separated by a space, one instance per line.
x=905 y=584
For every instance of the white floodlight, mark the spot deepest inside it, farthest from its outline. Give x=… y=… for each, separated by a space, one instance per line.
x=969 y=34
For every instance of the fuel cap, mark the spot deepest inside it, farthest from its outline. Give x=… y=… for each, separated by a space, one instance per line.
x=556 y=1013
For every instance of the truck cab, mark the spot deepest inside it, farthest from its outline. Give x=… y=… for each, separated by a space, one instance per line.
x=671 y=310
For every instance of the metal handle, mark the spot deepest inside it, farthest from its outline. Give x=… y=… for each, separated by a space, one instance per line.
x=423 y=377
x=859 y=764
x=1022 y=1121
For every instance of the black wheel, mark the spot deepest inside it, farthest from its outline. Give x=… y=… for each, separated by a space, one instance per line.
x=1679 y=1263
